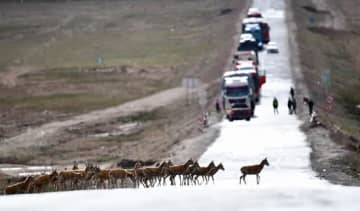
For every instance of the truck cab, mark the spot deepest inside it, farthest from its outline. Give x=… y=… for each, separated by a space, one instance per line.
x=237 y=97
x=255 y=30
x=257 y=75
x=248 y=43
x=265 y=28
x=241 y=56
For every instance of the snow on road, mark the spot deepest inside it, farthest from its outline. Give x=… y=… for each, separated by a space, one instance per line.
x=288 y=183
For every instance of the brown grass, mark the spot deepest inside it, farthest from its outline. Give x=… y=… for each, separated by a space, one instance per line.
x=324 y=49
x=151 y=44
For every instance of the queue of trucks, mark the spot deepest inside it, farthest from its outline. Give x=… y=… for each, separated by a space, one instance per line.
x=241 y=85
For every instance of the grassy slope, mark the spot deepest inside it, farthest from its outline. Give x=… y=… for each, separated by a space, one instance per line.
x=168 y=39
x=328 y=49
x=57 y=39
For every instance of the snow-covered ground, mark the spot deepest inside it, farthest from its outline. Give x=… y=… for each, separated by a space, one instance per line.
x=288 y=183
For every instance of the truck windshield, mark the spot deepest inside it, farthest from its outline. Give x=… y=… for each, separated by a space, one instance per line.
x=236 y=91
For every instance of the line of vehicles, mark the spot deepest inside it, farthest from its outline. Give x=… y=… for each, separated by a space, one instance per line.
x=241 y=85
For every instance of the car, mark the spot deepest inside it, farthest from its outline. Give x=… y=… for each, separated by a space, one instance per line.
x=271 y=47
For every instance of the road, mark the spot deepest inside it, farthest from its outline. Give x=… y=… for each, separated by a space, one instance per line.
x=288 y=183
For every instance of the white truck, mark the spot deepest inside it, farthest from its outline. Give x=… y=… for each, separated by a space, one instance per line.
x=237 y=97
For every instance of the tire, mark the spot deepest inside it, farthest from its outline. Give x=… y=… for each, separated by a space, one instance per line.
x=248 y=119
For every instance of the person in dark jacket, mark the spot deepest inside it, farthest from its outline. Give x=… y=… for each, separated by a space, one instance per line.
x=275 y=105
x=292 y=92
x=217 y=106
x=290 y=106
x=294 y=105
x=310 y=104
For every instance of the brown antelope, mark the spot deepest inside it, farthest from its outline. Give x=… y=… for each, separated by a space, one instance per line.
x=173 y=171
x=120 y=174
x=139 y=174
x=42 y=182
x=102 y=177
x=20 y=187
x=254 y=169
x=187 y=174
x=165 y=172
x=202 y=171
x=213 y=171
x=154 y=174
x=70 y=179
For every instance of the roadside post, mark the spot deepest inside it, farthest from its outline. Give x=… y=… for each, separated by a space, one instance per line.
x=202 y=100
x=100 y=60
x=190 y=85
x=328 y=98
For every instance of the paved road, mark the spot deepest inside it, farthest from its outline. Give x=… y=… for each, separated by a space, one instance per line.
x=288 y=183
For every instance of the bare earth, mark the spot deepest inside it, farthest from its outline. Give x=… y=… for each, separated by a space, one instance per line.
x=58 y=109
x=335 y=153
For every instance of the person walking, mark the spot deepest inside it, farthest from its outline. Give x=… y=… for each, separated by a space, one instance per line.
x=275 y=105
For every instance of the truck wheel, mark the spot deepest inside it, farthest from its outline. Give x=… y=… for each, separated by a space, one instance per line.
x=231 y=119
x=248 y=119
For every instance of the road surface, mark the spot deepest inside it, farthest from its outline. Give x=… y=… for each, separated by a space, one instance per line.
x=288 y=183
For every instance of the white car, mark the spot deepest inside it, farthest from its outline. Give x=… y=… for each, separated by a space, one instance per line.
x=272 y=48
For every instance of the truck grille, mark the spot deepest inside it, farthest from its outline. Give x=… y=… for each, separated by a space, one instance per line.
x=237 y=101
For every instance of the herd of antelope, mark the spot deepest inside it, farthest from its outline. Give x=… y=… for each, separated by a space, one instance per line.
x=92 y=177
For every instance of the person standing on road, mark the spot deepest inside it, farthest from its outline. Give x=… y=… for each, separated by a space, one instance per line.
x=290 y=105
x=217 y=106
x=310 y=104
x=275 y=105
x=292 y=92
x=294 y=105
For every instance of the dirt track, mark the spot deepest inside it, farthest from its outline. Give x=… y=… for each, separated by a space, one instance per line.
x=45 y=134
x=162 y=136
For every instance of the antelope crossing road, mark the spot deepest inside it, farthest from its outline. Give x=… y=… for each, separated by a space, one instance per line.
x=287 y=184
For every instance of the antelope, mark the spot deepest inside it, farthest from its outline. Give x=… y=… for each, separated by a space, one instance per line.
x=165 y=172
x=213 y=171
x=254 y=169
x=202 y=171
x=41 y=182
x=120 y=174
x=188 y=173
x=178 y=170
x=70 y=176
x=20 y=187
x=155 y=173
x=139 y=174
x=102 y=176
